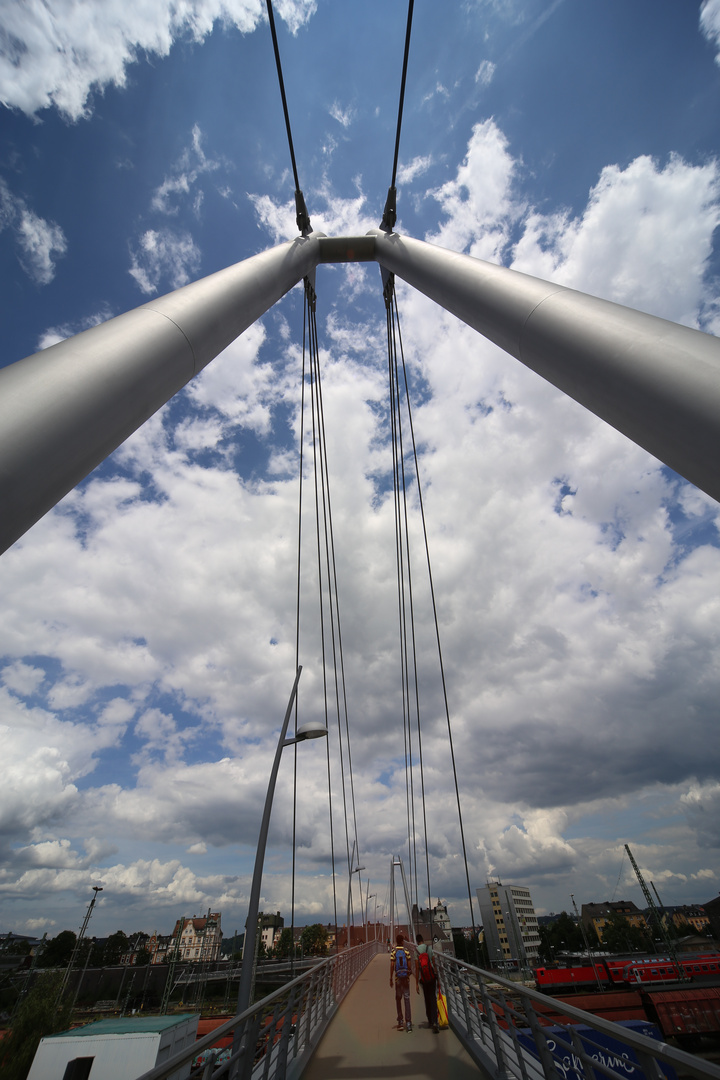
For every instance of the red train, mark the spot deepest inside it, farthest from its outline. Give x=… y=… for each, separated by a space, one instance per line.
x=625 y=973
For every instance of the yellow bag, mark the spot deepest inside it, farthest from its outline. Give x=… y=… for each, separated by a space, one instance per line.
x=443 y=1021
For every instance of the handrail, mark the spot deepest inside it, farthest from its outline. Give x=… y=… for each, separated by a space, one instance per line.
x=290 y=1022
x=509 y=1037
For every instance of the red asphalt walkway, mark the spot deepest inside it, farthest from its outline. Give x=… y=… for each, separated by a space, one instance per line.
x=362 y=1040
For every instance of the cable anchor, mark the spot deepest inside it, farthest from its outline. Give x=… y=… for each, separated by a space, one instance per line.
x=310 y=293
x=390 y=212
x=301 y=214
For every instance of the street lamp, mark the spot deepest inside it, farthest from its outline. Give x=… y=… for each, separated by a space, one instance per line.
x=368 y=898
x=315 y=729
x=355 y=871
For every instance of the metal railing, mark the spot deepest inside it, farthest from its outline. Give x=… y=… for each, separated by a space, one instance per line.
x=514 y=1033
x=282 y=1029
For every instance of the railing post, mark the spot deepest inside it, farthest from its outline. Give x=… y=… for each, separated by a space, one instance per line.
x=546 y=1059
x=282 y=1053
x=582 y=1055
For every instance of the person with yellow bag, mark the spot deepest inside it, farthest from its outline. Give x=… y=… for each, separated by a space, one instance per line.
x=428 y=980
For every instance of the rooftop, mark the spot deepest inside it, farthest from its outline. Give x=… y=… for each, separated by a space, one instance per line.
x=127 y=1025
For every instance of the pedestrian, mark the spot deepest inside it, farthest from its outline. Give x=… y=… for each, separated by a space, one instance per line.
x=401 y=968
x=427 y=977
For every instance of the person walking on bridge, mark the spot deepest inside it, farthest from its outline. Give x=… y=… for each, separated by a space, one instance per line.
x=401 y=968
x=428 y=981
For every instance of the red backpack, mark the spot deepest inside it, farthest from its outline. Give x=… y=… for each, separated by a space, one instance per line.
x=426 y=971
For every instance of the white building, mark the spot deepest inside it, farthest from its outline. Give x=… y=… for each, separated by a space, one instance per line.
x=510 y=924
x=271 y=927
x=117 y=1049
x=196 y=939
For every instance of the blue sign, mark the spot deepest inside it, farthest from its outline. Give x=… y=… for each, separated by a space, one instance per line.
x=612 y=1053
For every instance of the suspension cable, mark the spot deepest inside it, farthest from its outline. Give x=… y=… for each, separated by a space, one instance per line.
x=437 y=628
x=302 y=217
x=394 y=319
x=328 y=595
x=297 y=628
x=322 y=461
x=402 y=619
x=335 y=626
x=312 y=339
x=408 y=656
x=390 y=211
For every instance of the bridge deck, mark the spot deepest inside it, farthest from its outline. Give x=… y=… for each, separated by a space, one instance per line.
x=362 y=1040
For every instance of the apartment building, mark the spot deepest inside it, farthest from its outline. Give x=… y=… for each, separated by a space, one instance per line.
x=510 y=924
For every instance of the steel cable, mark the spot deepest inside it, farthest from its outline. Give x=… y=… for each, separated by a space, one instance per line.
x=436 y=624
x=302 y=218
x=390 y=212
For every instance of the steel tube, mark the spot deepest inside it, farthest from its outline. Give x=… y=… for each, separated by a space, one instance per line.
x=654 y=380
x=63 y=410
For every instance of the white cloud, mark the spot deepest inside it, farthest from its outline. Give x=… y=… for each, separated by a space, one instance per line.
x=343 y=116
x=479 y=203
x=710 y=23
x=22 y=678
x=484 y=74
x=702 y=806
x=164 y=255
x=238 y=387
x=184 y=174
x=38 y=924
x=439 y=89
x=639 y=216
x=40 y=242
x=419 y=165
x=58 y=52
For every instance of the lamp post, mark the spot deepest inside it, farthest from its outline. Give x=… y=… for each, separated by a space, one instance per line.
x=313 y=730
x=368 y=898
x=355 y=871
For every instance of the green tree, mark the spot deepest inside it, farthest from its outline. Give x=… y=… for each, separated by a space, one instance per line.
x=59 y=950
x=314 y=940
x=18 y=947
x=563 y=935
x=36 y=1017
x=620 y=936
x=115 y=946
x=284 y=944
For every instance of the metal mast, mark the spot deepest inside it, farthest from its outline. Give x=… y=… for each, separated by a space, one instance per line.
x=656 y=914
x=171 y=969
x=78 y=942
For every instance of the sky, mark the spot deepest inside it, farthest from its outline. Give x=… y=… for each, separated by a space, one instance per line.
x=147 y=638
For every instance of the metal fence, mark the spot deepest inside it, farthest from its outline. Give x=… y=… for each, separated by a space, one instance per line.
x=514 y=1033
x=277 y=1035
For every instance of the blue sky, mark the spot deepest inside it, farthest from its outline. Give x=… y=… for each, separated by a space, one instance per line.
x=147 y=638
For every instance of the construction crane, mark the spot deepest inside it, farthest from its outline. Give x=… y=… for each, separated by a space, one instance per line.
x=657 y=916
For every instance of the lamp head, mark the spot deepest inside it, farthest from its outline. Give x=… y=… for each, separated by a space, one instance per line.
x=314 y=729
